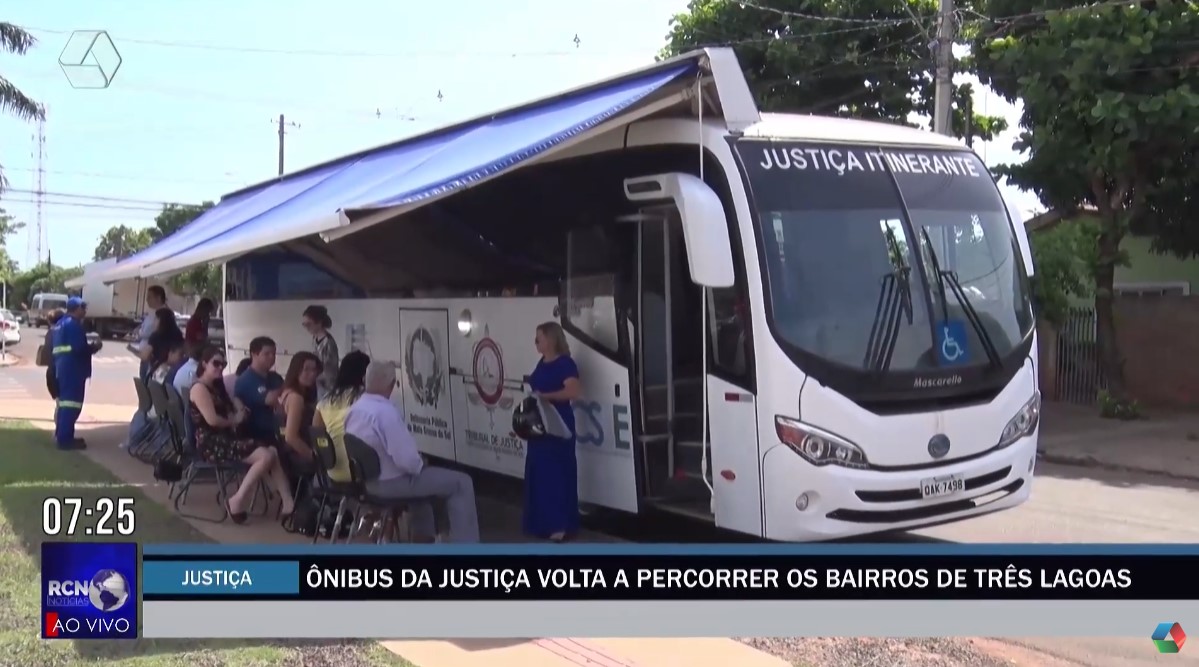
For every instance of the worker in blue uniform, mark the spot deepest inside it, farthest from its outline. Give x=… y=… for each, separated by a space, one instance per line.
x=72 y=368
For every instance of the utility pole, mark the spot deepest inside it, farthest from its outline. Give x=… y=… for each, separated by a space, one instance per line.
x=942 y=104
x=283 y=125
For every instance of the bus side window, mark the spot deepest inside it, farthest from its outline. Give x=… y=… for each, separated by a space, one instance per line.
x=729 y=331
x=588 y=301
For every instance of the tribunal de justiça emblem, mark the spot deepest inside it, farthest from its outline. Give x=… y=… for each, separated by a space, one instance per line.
x=488 y=369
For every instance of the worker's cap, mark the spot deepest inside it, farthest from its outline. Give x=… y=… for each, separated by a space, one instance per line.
x=75 y=302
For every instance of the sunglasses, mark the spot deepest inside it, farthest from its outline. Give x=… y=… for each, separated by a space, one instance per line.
x=218 y=364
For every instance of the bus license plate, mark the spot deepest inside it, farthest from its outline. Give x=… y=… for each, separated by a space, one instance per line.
x=938 y=487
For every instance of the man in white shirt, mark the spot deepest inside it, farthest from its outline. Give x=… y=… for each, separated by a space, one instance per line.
x=185 y=377
x=403 y=473
x=140 y=427
x=156 y=297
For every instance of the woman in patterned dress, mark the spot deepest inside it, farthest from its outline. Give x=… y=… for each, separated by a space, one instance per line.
x=216 y=418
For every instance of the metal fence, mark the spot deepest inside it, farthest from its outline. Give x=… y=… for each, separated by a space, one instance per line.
x=1079 y=377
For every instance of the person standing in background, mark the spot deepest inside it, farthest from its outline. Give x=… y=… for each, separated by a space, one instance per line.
x=196 y=333
x=316 y=322
x=72 y=369
x=156 y=297
x=46 y=352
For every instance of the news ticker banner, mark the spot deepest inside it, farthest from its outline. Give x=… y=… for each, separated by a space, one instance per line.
x=594 y=590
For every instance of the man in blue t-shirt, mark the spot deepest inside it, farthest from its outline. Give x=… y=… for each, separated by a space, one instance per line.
x=259 y=388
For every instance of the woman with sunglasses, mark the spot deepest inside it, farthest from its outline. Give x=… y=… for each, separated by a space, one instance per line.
x=216 y=418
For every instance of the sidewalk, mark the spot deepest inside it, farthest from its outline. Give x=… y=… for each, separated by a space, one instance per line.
x=106 y=425
x=1165 y=444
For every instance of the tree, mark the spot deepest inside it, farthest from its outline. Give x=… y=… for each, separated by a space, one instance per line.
x=16 y=41
x=865 y=59
x=41 y=278
x=8 y=225
x=122 y=241
x=201 y=280
x=1110 y=110
x=1061 y=254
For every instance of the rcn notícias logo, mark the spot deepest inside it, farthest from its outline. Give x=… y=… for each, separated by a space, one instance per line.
x=1169 y=638
x=107 y=592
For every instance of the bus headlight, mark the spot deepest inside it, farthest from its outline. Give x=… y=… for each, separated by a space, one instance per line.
x=1024 y=423
x=818 y=446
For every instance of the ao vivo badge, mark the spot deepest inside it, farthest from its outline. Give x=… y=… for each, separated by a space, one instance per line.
x=89 y=590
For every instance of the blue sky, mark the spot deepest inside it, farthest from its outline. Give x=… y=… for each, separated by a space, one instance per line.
x=184 y=124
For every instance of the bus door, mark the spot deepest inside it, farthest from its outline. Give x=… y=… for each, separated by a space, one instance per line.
x=668 y=364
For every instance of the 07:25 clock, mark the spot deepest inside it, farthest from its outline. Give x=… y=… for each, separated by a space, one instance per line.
x=111 y=516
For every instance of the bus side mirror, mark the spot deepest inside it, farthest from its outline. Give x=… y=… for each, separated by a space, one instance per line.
x=705 y=228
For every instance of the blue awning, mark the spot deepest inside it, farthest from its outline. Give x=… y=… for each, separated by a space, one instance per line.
x=416 y=170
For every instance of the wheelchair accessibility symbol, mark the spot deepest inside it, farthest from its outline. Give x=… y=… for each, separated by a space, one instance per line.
x=951 y=343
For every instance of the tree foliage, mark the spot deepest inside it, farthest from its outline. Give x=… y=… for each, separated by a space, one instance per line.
x=867 y=59
x=1063 y=271
x=8 y=226
x=122 y=241
x=1111 y=102
x=41 y=278
x=16 y=41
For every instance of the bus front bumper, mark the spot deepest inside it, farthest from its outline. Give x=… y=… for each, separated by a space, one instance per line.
x=806 y=503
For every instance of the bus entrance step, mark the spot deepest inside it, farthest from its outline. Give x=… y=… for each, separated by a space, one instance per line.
x=695 y=509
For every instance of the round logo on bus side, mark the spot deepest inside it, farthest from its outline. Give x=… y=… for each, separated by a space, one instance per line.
x=488 y=368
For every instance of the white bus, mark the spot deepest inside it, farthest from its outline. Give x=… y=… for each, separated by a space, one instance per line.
x=798 y=328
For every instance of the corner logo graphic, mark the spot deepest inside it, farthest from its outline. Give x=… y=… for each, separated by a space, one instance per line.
x=90 y=59
x=89 y=590
x=1169 y=638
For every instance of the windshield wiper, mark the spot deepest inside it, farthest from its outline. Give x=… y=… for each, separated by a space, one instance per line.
x=884 y=332
x=894 y=301
x=948 y=277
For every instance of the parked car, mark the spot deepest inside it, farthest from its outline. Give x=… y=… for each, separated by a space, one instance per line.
x=10 y=327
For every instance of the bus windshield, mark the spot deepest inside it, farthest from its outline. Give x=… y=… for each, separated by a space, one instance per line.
x=892 y=264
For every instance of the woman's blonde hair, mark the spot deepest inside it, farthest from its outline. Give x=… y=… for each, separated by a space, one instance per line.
x=552 y=331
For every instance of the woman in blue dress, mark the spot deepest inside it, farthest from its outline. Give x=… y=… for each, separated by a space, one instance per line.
x=551 y=472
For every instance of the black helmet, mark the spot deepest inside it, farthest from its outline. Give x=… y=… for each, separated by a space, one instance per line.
x=526 y=419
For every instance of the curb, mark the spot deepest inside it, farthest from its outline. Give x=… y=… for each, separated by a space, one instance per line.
x=1087 y=461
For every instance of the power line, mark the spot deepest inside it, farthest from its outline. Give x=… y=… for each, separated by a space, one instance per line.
x=574 y=50
x=77 y=195
x=75 y=204
x=132 y=177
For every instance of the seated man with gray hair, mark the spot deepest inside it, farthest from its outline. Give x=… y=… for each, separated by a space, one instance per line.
x=403 y=473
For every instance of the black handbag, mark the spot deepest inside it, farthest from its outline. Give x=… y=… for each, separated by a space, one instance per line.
x=168 y=469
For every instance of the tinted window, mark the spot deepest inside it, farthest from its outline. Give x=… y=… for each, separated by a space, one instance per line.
x=899 y=260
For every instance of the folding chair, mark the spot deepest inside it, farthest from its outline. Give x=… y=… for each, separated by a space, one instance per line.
x=327 y=491
x=163 y=433
x=364 y=468
x=194 y=469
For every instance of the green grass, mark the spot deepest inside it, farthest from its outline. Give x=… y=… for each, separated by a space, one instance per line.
x=31 y=469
